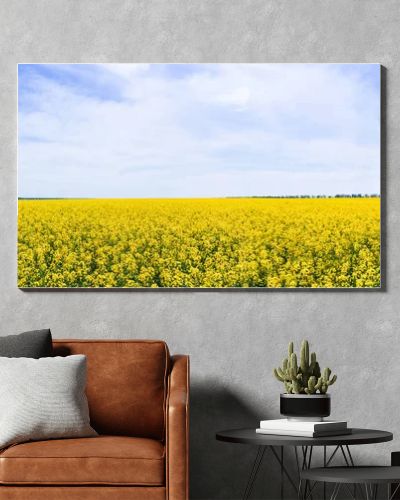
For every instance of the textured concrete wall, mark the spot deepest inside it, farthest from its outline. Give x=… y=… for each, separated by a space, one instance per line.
x=234 y=339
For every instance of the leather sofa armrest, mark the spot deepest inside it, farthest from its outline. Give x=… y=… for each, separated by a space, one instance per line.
x=177 y=431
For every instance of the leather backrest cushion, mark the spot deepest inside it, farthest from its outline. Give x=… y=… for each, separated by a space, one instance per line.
x=126 y=386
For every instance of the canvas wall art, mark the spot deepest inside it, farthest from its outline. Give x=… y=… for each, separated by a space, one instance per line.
x=199 y=176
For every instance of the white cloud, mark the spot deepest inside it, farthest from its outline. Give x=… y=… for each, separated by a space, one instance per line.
x=225 y=130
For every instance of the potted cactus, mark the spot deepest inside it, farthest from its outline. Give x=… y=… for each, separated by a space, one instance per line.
x=306 y=386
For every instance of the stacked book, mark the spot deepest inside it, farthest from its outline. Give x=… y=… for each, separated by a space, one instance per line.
x=303 y=428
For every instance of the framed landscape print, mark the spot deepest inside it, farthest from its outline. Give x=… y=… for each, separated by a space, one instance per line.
x=199 y=176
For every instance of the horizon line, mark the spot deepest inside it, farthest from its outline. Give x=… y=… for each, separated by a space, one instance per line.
x=338 y=195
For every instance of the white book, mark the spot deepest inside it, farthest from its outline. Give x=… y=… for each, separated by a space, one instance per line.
x=303 y=425
x=311 y=434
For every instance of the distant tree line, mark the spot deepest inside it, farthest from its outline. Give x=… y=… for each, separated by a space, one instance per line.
x=353 y=195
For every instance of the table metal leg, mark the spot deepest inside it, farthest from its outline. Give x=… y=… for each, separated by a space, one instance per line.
x=332 y=456
x=324 y=486
x=282 y=490
x=284 y=470
x=349 y=454
x=371 y=491
x=297 y=461
x=307 y=457
x=350 y=463
x=253 y=474
x=335 y=491
x=311 y=488
x=351 y=493
x=367 y=492
x=304 y=464
x=279 y=456
x=390 y=494
x=299 y=490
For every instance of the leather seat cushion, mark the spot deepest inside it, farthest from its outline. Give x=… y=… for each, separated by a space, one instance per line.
x=102 y=460
x=82 y=492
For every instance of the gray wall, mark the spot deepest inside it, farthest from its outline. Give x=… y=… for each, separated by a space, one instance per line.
x=234 y=339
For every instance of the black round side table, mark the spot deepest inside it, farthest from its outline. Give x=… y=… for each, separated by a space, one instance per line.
x=370 y=477
x=303 y=450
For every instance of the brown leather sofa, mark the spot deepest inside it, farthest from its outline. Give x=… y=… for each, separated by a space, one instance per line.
x=138 y=400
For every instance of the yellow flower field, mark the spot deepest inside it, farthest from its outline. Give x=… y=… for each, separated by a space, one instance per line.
x=243 y=242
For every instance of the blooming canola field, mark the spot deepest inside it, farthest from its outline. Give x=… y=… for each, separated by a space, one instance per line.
x=221 y=242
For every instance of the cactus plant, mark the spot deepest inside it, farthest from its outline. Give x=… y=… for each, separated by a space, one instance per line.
x=305 y=377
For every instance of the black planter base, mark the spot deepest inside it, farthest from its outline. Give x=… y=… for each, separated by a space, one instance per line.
x=305 y=407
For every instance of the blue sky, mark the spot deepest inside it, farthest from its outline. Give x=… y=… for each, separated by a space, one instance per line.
x=198 y=130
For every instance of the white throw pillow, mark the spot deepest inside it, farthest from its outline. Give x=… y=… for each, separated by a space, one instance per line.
x=43 y=399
